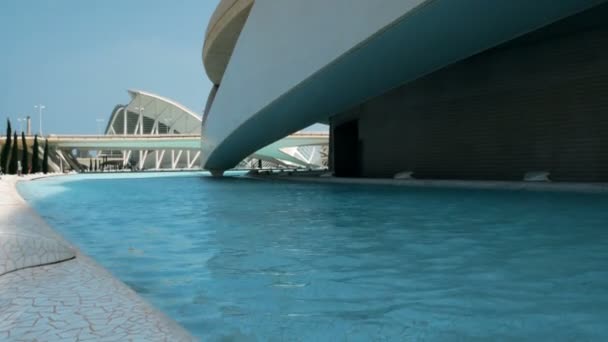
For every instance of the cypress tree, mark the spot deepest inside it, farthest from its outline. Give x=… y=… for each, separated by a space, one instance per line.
x=90 y=165
x=45 y=157
x=12 y=164
x=35 y=156
x=24 y=156
x=6 y=149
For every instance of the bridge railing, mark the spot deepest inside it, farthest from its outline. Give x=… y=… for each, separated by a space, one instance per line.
x=121 y=136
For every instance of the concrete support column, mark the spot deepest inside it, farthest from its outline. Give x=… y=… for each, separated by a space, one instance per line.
x=217 y=173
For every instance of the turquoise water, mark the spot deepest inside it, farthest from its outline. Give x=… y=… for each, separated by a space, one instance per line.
x=237 y=259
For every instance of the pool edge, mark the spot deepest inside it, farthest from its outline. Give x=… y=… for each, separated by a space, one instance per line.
x=601 y=188
x=109 y=309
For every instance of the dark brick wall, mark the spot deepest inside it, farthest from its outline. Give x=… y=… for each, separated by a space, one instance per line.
x=539 y=103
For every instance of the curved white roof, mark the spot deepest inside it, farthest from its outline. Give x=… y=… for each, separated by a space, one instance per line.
x=175 y=117
x=156 y=107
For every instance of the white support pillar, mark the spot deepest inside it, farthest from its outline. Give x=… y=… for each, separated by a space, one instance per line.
x=159 y=159
x=156 y=118
x=62 y=159
x=126 y=157
x=140 y=119
x=155 y=127
x=175 y=159
x=141 y=122
x=196 y=156
x=125 y=112
x=313 y=153
x=111 y=125
x=142 y=158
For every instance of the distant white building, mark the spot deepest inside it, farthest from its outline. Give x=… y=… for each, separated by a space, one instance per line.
x=149 y=114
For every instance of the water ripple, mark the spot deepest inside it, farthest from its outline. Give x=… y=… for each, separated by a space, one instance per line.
x=242 y=260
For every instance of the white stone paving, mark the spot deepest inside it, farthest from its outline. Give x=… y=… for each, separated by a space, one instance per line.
x=49 y=291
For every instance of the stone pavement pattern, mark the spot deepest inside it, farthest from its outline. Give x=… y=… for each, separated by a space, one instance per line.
x=49 y=291
x=19 y=251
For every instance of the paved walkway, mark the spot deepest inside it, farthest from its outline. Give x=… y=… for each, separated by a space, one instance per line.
x=50 y=291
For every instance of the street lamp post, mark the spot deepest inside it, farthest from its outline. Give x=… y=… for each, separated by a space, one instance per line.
x=40 y=107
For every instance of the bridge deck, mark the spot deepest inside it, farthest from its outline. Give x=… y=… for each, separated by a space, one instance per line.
x=159 y=142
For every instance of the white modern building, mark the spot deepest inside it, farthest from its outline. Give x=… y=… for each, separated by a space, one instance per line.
x=151 y=114
x=150 y=124
x=458 y=89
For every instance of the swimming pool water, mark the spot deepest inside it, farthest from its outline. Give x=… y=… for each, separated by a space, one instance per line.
x=240 y=259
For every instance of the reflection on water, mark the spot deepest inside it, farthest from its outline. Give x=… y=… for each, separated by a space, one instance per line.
x=245 y=260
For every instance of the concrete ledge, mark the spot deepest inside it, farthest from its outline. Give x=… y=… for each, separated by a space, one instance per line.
x=456 y=184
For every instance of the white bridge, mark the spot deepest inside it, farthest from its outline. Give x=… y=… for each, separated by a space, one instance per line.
x=183 y=150
x=154 y=132
x=127 y=142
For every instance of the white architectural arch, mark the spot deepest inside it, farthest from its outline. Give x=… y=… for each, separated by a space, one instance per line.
x=151 y=114
x=148 y=113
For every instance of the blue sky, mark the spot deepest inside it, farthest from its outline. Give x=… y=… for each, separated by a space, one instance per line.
x=79 y=57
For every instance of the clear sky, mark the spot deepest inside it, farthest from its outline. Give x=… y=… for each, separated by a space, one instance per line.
x=79 y=57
